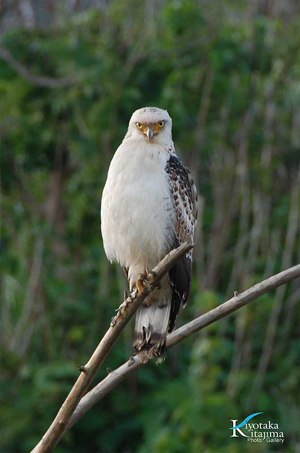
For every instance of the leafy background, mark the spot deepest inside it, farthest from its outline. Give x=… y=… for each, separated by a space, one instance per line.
x=229 y=74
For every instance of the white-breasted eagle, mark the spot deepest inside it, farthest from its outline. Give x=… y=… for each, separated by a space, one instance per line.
x=149 y=206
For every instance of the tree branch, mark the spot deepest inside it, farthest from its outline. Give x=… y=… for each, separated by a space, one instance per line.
x=236 y=302
x=42 y=81
x=89 y=371
x=76 y=405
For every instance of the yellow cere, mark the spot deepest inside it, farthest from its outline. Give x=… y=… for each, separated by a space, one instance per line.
x=156 y=127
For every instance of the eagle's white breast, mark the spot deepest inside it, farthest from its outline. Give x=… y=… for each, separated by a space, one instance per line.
x=149 y=206
x=137 y=214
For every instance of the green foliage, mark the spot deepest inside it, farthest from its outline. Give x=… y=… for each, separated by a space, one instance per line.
x=208 y=69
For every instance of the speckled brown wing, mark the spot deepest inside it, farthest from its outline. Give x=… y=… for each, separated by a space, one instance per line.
x=185 y=202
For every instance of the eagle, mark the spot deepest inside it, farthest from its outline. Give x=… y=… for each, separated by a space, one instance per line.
x=149 y=206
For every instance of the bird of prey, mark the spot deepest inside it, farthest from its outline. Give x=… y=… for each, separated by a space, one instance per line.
x=149 y=206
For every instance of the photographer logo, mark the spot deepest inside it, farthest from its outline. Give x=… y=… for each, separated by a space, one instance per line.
x=257 y=432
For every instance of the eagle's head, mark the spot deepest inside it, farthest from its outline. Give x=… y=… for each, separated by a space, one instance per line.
x=151 y=124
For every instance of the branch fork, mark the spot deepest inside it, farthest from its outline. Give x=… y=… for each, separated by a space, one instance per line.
x=89 y=371
x=78 y=401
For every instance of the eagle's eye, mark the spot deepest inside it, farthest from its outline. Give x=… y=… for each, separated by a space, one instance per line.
x=161 y=124
x=139 y=125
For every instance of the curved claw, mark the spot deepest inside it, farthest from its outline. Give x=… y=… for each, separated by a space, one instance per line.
x=140 y=282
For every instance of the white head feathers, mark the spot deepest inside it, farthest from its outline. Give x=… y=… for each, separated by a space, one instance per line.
x=150 y=117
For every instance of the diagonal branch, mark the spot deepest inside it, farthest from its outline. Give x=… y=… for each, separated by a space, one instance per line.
x=42 y=81
x=89 y=371
x=236 y=302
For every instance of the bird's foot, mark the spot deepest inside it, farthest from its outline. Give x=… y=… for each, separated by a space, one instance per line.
x=153 y=274
x=140 y=282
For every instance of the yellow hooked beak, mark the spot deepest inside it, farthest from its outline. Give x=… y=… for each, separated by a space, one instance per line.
x=149 y=133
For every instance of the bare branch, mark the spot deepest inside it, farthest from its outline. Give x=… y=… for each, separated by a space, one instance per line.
x=89 y=371
x=48 y=82
x=76 y=404
x=118 y=375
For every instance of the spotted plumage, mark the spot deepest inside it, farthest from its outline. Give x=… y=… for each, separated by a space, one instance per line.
x=185 y=202
x=149 y=206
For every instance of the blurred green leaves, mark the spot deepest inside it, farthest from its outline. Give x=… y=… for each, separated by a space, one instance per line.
x=208 y=65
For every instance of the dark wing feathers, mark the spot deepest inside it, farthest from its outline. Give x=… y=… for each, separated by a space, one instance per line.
x=184 y=196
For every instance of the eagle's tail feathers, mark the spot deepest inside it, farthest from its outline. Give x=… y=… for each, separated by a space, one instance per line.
x=151 y=327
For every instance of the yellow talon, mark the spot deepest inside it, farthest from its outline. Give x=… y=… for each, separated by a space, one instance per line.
x=140 y=283
x=140 y=286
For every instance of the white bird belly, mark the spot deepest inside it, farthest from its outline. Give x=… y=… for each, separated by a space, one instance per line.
x=137 y=215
